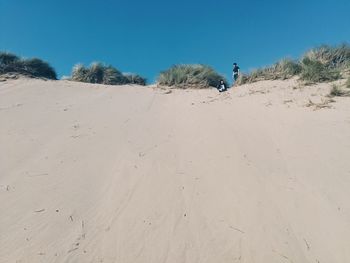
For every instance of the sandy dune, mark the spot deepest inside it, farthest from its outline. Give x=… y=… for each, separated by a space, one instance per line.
x=93 y=173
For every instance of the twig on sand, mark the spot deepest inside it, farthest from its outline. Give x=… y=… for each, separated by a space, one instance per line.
x=39 y=211
x=237 y=229
x=71 y=250
x=287 y=101
x=83 y=229
x=322 y=105
x=307 y=244
x=258 y=91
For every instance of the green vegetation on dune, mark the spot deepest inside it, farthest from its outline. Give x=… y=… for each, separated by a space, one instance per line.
x=322 y=64
x=34 y=67
x=38 y=68
x=8 y=59
x=135 y=79
x=102 y=74
x=331 y=56
x=190 y=76
x=315 y=71
x=284 y=69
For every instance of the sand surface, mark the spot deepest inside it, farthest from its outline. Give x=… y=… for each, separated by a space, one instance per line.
x=94 y=173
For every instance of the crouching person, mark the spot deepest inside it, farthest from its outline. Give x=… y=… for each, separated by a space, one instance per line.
x=222 y=86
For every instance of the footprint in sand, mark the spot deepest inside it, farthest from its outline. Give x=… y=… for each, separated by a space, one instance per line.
x=5 y=187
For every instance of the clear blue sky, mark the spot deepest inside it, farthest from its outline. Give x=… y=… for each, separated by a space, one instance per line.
x=147 y=37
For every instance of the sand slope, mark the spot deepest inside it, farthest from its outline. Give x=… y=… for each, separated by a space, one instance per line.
x=93 y=173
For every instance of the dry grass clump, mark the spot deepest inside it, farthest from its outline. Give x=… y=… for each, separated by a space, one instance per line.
x=322 y=64
x=190 y=76
x=135 y=79
x=283 y=69
x=33 y=67
x=324 y=104
x=314 y=71
x=331 y=56
x=102 y=74
x=337 y=91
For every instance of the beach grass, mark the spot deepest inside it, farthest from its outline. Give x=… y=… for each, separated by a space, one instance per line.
x=32 y=67
x=322 y=64
x=100 y=73
x=190 y=76
x=337 y=91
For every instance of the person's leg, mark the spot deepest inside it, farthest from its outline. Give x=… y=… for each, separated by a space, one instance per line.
x=235 y=77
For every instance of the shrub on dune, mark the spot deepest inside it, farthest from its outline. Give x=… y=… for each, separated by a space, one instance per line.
x=96 y=72
x=112 y=76
x=283 y=69
x=336 y=91
x=330 y=57
x=38 y=68
x=80 y=73
x=190 y=76
x=8 y=58
x=9 y=63
x=135 y=79
x=34 y=67
x=288 y=68
x=102 y=74
x=315 y=71
x=322 y=64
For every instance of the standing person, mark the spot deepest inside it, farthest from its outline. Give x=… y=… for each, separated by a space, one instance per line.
x=235 y=72
x=222 y=86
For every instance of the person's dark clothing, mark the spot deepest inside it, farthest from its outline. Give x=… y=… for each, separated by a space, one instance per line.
x=235 y=72
x=235 y=69
x=221 y=87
